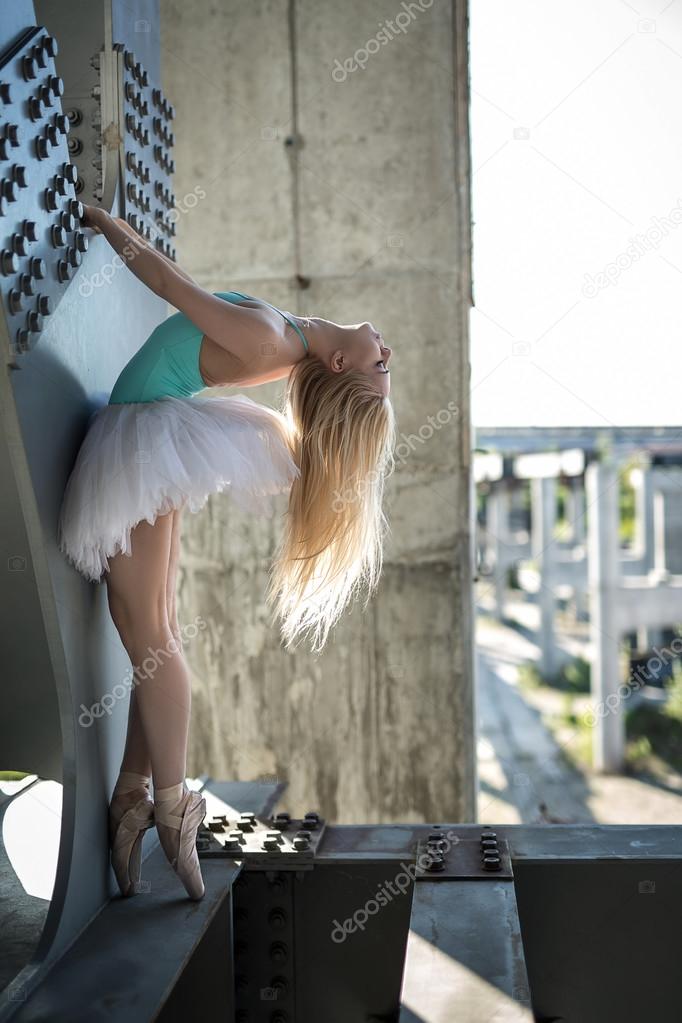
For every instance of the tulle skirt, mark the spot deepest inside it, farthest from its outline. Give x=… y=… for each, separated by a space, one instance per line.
x=141 y=460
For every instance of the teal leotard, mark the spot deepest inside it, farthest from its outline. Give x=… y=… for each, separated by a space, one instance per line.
x=167 y=364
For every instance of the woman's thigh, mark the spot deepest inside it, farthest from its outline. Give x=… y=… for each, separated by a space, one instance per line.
x=137 y=582
x=172 y=574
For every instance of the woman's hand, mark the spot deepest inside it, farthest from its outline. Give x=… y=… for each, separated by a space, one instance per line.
x=93 y=217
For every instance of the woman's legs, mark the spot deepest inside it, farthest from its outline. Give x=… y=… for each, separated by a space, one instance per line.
x=171 y=579
x=136 y=754
x=137 y=587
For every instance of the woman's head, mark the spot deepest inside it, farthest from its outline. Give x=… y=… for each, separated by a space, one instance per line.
x=342 y=431
x=358 y=346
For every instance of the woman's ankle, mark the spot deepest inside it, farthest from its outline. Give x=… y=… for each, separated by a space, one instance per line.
x=170 y=793
x=129 y=781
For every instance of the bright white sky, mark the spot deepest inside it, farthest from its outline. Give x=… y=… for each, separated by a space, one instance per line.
x=595 y=87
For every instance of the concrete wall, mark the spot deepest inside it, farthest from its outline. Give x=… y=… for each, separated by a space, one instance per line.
x=347 y=199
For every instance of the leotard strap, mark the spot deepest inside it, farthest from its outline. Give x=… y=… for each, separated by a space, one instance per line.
x=290 y=322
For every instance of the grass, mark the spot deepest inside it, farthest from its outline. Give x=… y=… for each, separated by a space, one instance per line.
x=654 y=733
x=572 y=677
x=559 y=706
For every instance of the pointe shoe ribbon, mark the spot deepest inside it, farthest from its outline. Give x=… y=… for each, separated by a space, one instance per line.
x=184 y=860
x=126 y=837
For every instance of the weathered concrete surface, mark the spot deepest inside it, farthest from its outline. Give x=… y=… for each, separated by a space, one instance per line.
x=370 y=205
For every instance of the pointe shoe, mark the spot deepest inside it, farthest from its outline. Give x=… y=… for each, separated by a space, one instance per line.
x=179 y=812
x=129 y=818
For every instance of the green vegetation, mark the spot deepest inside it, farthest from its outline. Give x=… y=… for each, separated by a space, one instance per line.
x=561 y=713
x=655 y=732
x=13 y=775
x=573 y=677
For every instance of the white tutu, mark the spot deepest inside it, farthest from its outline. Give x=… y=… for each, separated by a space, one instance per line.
x=138 y=461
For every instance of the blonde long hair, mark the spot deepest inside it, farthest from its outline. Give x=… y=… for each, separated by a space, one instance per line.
x=342 y=435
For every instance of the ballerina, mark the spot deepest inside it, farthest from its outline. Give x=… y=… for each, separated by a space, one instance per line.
x=156 y=449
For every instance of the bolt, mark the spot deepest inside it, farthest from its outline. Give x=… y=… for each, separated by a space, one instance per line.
x=277 y=917
x=278 y=952
x=302 y=840
x=437 y=862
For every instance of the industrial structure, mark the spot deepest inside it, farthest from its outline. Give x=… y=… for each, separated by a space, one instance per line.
x=326 y=913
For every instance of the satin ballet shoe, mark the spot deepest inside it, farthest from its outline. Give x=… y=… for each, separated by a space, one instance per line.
x=179 y=812
x=129 y=818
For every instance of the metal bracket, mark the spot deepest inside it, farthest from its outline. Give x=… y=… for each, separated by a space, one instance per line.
x=276 y=842
x=448 y=857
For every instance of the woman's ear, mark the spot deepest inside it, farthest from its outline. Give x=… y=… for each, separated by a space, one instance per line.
x=337 y=363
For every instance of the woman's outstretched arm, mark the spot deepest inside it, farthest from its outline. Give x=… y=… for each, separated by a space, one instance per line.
x=142 y=259
x=133 y=234
x=254 y=336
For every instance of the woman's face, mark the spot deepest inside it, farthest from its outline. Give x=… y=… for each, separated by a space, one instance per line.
x=358 y=346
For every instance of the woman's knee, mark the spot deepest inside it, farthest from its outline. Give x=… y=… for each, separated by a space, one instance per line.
x=138 y=613
x=151 y=648
x=136 y=581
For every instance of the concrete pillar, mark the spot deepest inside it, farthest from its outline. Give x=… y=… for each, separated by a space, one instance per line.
x=543 y=547
x=659 y=566
x=498 y=539
x=601 y=480
x=575 y=509
x=325 y=193
x=668 y=521
x=644 y=518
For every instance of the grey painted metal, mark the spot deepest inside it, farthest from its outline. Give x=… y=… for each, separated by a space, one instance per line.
x=128 y=962
x=354 y=843
x=60 y=649
x=321 y=940
x=114 y=979
x=42 y=240
x=464 y=958
x=602 y=939
x=349 y=952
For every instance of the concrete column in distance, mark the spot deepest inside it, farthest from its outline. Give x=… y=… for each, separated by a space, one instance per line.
x=543 y=549
x=601 y=479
